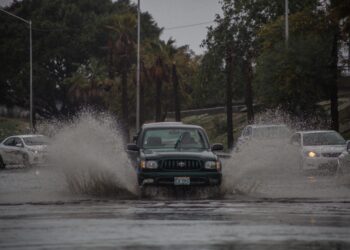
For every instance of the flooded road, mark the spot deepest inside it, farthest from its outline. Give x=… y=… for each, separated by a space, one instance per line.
x=204 y=224
x=36 y=211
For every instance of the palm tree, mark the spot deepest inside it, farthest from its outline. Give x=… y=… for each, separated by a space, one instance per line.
x=182 y=66
x=168 y=63
x=157 y=58
x=121 y=45
x=88 y=85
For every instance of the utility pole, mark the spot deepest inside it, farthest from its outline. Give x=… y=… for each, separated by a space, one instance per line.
x=29 y=22
x=286 y=22
x=138 y=70
x=31 y=78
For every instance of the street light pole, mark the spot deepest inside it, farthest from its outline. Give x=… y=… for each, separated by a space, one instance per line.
x=286 y=22
x=138 y=70
x=31 y=78
x=29 y=22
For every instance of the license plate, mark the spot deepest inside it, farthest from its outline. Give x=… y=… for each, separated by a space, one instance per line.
x=182 y=181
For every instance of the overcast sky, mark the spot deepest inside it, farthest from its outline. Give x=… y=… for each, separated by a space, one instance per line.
x=174 y=13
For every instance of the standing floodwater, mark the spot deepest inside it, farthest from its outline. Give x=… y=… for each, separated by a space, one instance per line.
x=88 y=198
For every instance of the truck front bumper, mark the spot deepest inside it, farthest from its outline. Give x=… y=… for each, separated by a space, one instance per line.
x=167 y=178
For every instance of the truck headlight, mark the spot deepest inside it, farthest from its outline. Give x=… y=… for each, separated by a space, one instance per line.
x=212 y=165
x=149 y=164
x=312 y=154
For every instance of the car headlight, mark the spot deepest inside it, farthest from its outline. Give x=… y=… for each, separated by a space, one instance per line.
x=149 y=164
x=312 y=154
x=212 y=165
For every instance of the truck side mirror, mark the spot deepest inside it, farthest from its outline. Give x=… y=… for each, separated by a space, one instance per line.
x=134 y=138
x=132 y=147
x=217 y=147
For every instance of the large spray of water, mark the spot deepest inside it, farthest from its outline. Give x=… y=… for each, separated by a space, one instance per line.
x=256 y=164
x=270 y=167
x=90 y=151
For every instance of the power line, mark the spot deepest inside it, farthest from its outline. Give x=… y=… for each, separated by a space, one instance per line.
x=188 y=25
x=75 y=29
x=170 y=28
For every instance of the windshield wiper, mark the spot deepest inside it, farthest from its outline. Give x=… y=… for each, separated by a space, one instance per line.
x=178 y=141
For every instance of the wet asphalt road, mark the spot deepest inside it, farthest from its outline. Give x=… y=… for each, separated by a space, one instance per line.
x=37 y=212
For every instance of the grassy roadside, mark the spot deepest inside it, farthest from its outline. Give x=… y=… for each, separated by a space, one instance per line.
x=12 y=126
x=215 y=125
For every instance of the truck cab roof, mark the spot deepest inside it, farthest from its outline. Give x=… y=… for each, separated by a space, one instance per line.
x=168 y=124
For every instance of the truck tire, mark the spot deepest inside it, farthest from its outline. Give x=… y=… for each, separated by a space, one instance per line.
x=2 y=164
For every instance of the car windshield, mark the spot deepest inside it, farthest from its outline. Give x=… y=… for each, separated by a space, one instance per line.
x=323 y=138
x=271 y=132
x=174 y=138
x=35 y=140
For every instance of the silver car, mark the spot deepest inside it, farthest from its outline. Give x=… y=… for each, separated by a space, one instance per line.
x=344 y=161
x=25 y=150
x=318 y=149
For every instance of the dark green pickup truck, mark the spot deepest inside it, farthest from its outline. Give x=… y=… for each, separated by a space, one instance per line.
x=173 y=153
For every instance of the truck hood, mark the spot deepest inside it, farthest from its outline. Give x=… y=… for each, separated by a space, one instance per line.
x=178 y=154
x=325 y=148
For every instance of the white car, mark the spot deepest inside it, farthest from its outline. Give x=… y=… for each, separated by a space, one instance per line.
x=26 y=150
x=318 y=149
x=344 y=161
x=266 y=132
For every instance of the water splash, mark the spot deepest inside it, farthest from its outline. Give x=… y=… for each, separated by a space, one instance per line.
x=90 y=152
x=270 y=167
x=257 y=162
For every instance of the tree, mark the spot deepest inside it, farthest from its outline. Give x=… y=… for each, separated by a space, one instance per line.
x=247 y=17
x=121 y=45
x=88 y=86
x=63 y=38
x=222 y=43
x=209 y=84
x=339 y=16
x=66 y=35
x=180 y=59
x=294 y=78
x=159 y=71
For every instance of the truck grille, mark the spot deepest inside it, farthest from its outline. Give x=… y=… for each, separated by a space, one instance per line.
x=331 y=154
x=181 y=164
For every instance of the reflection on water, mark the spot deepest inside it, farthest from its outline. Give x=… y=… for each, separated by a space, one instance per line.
x=202 y=224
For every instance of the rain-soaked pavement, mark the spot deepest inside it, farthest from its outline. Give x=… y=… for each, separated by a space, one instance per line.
x=36 y=211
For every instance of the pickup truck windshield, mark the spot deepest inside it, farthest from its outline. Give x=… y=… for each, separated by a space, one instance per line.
x=174 y=138
x=323 y=138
